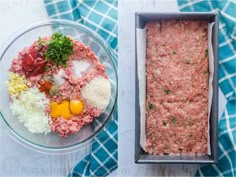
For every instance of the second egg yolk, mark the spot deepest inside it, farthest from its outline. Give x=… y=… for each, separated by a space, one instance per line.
x=76 y=106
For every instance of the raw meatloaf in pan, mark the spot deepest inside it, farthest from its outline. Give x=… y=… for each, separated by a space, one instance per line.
x=177 y=79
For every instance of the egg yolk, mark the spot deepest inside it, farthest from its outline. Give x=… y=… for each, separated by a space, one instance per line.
x=76 y=106
x=60 y=110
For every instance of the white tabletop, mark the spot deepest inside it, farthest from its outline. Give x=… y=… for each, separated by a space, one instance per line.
x=16 y=160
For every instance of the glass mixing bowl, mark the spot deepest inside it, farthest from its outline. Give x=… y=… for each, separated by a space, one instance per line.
x=52 y=143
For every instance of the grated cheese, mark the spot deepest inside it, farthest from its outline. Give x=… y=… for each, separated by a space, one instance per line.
x=97 y=92
x=29 y=108
x=16 y=84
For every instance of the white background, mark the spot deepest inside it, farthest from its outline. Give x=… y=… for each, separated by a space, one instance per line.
x=16 y=160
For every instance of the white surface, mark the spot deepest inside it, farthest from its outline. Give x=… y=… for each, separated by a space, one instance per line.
x=141 y=60
x=126 y=111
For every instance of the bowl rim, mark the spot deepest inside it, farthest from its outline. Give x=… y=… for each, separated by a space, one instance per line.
x=111 y=53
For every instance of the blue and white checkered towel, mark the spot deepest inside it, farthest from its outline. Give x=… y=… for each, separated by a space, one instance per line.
x=227 y=82
x=100 y=16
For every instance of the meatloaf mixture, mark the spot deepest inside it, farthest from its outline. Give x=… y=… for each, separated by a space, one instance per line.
x=63 y=80
x=177 y=78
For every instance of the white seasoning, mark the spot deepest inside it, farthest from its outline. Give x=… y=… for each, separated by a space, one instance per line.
x=29 y=108
x=97 y=92
x=80 y=67
x=58 y=78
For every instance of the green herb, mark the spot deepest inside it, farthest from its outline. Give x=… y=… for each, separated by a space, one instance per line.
x=59 y=49
x=174 y=52
x=46 y=68
x=172 y=119
x=164 y=123
x=167 y=91
x=41 y=42
x=206 y=53
x=191 y=135
x=52 y=68
x=151 y=106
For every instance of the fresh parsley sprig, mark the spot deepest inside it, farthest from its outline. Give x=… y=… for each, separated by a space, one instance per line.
x=59 y=49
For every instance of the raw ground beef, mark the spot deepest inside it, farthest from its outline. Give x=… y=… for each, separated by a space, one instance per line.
x=177 y=77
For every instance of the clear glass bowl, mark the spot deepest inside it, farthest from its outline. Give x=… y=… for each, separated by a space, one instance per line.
x=52 y=143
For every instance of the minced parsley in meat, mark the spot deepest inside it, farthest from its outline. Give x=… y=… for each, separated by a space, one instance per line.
x=167 y=91
x=151 y=106
x=164 y=123
x=172 y=119
x=206 y=53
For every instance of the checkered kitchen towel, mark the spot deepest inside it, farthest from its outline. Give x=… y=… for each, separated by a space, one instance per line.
x=101 y=17
x=227 y=82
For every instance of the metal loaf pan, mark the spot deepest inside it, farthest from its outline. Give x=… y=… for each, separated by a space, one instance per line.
x=140 y=155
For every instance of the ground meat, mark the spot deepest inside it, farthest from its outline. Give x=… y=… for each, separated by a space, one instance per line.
x=177 y=87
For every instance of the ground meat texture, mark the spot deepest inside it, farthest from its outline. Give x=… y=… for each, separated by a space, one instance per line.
x=177 y=78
